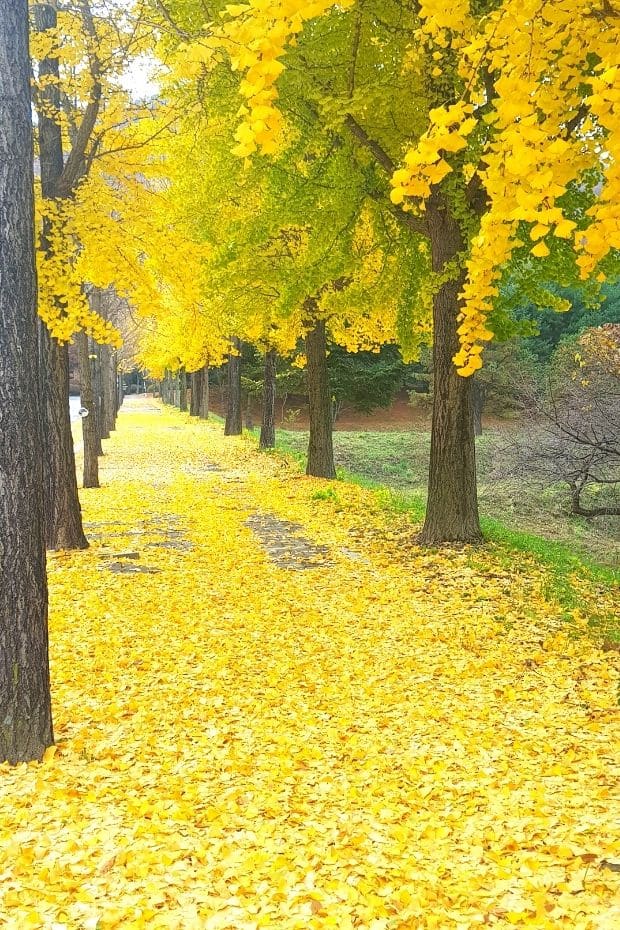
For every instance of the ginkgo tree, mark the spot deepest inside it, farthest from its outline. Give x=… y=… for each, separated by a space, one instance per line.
x=511 y=146
x=313 y=243
x=85 y=121
x=25 y=704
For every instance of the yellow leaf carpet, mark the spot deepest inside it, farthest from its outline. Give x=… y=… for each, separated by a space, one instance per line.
x=385 y=739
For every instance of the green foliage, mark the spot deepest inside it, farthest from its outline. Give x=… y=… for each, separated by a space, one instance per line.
x=587 y=309
x=366 y=380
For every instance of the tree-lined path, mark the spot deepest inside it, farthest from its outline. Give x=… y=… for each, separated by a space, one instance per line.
x=357 y=734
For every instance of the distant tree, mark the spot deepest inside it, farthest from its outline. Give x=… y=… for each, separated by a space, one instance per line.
x=576 y=437
x=587 y=310
x=365 y=381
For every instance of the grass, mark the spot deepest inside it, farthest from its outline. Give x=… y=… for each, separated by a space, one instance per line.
x=394 y=466
x=399 y=460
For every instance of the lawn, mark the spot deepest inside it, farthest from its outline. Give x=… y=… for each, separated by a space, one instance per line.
x=399 y=460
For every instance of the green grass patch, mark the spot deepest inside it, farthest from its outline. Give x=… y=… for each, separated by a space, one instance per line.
x=572 y=578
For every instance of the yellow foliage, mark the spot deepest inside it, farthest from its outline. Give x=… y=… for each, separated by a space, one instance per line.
x=390 y=740
x=537 y=86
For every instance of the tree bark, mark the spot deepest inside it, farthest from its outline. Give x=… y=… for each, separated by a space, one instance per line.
x=49 y=130
x=268 y=426
x=89 y=422
x=233 y=426
x=196 y=386
x=95 y=409
x=113 y=387
x=320 y=445
x=100 y=393
x=25 y=706
x=204 y=394
x=452 y=508
x=182 y=391
x=109 y=390
x=63 y=514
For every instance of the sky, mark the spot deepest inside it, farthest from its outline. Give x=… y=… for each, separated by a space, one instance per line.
x=139 y=78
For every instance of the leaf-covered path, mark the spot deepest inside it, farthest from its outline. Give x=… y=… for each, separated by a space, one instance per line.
x=377 y=737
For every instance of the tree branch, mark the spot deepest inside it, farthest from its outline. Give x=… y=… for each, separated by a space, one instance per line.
x=416 y=224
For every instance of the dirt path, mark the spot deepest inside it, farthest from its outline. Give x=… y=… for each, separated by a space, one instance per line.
x=272 y=714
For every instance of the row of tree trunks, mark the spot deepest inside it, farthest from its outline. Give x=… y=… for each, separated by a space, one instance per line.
x=452 y=511
x=25 y=706
x=100 y=394
x=196 y=396
x=187 y=392
x=95 y=378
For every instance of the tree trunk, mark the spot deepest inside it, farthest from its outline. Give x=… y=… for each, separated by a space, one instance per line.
x=249 y=419
x=233 y=426
x=478 y=392
x=204 y=394
x=25 y=706
x=196 y=382
x=452 y=509
x=94 y=408
x=113 y=387
x=109 y=390
x=63 y=514
x=182 y=391
x=320 y=445
x=268 y=426
x=100 y=393
x=89 y=422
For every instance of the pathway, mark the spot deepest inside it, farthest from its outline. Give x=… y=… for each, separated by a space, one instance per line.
x=273 y=711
